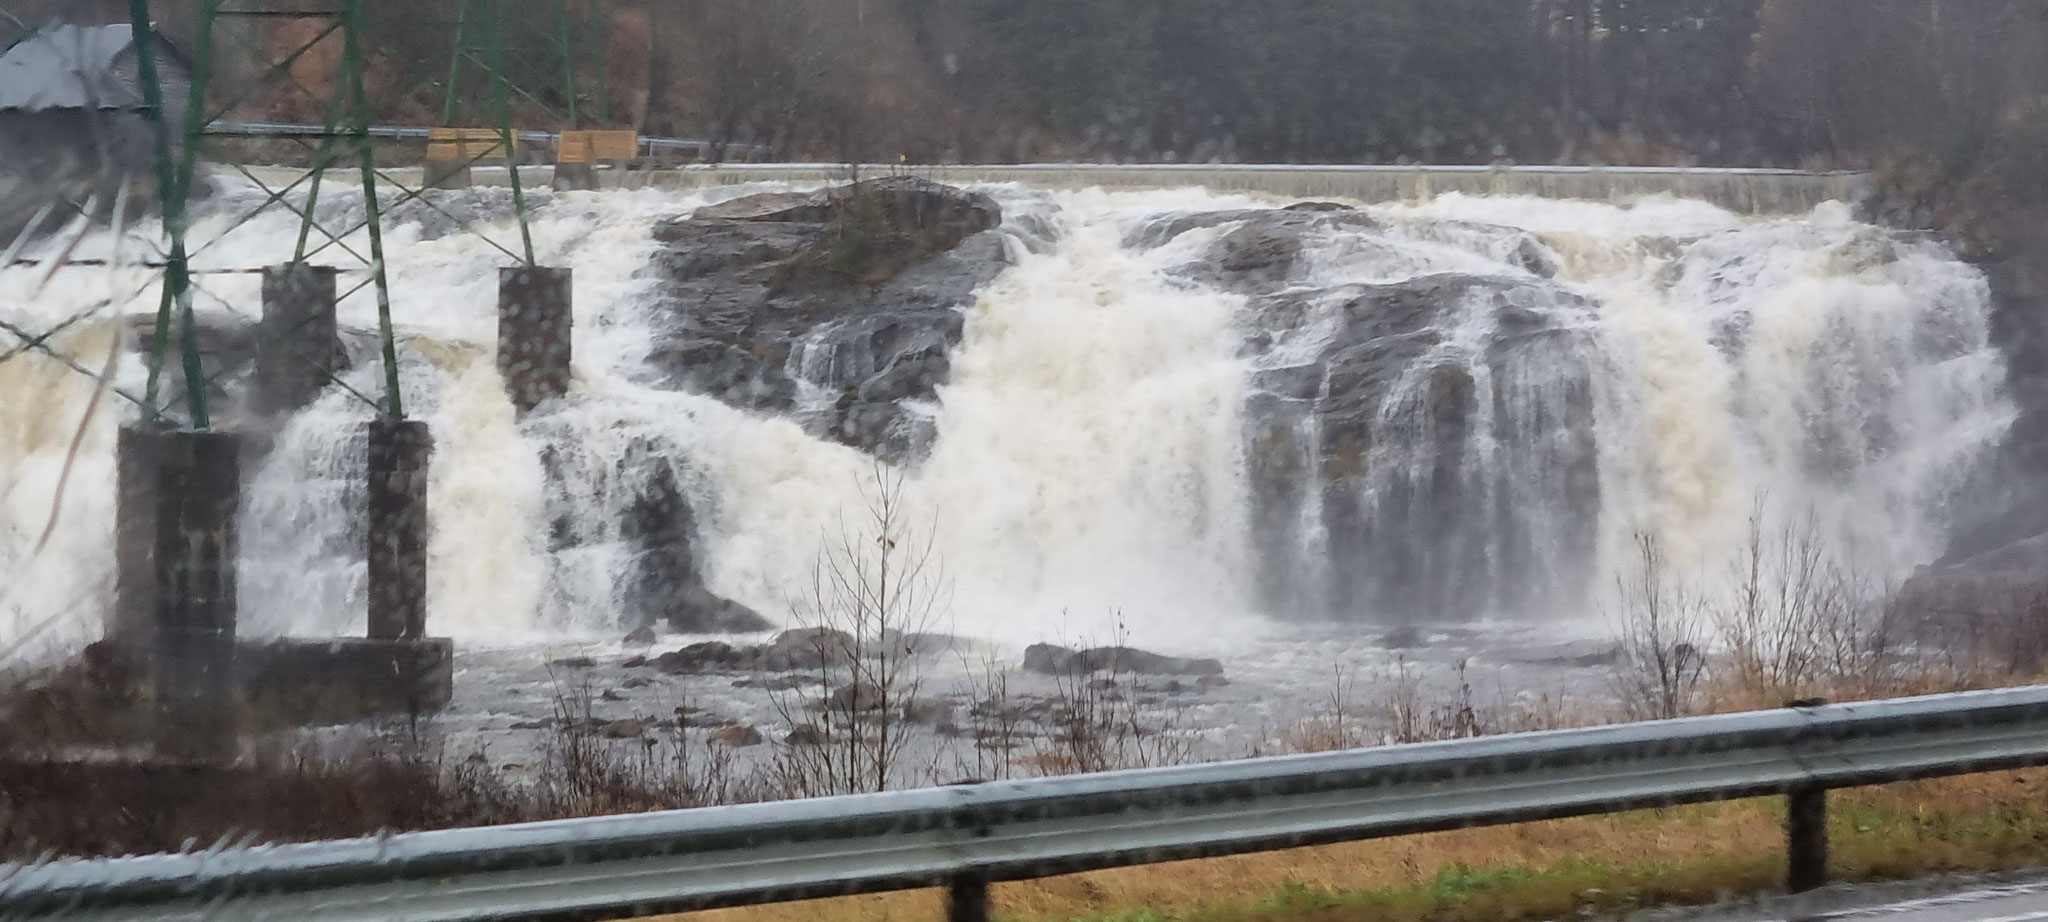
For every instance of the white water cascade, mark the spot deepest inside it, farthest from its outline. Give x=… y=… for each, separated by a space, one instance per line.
x=1092 y=464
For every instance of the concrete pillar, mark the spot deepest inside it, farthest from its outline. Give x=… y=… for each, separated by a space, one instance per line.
x=447 y=164
x=574 y=169
x=446 y=174
x=534 y=325
x=575 y=177
x=178 y=496
x=136 y=464
x=299 y=343
x=398 y=454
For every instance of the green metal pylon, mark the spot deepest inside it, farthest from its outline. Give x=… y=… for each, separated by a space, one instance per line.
x=174 y=171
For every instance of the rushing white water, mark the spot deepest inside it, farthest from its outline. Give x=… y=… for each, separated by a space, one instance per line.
x=1090 y=467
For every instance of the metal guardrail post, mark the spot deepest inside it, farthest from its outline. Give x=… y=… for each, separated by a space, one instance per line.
x=1806 y=829
x=1806 y=839
x=967 y=898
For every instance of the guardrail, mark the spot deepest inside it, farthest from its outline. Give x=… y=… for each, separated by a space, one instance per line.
x=700 y=149
x=1749 y=191
x=966 y=837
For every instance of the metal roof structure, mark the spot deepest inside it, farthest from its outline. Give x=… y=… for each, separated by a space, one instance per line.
x=71 y=67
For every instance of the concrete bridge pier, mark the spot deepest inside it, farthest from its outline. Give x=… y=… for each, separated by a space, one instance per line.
x=535 y=322
x=399 y=452
x=179 y=492
x=299 y=349
x=397 y=669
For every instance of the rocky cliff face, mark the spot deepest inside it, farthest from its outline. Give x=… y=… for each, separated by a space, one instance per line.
x=1420 y=448
x=839 y=309
x=1983 y=586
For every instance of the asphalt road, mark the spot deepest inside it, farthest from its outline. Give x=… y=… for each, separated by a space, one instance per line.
x=2016 y=897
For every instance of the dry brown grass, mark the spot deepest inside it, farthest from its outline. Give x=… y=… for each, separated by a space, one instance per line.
x=1533 y=870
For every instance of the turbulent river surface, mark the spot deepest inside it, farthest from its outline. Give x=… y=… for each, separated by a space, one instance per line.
x=1432 y=431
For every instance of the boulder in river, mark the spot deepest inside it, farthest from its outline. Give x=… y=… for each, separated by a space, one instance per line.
x=1421 y=449
x=737 y=735
x=839 y=309
x=1050 y=659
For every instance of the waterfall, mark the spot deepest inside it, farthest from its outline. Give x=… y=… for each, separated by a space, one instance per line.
x=1455 y=409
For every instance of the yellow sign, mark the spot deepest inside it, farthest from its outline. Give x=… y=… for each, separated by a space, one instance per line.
x=445 y=145
x=598 y=146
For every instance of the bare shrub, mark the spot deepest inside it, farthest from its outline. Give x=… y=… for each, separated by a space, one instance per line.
x=996 y=721
x=1409 y=709
x=590 y=766
x=1797 y=620
x=1338 y=725
x=871 y=595
x=1100 y=719
x=1659 y=633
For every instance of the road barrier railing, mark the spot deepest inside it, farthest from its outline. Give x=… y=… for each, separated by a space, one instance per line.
x=966 y=837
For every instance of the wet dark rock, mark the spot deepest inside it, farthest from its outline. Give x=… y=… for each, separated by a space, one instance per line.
x=573 y=662
x=633 y=662
x=1375 y=428
x=928 y=711
x=624 y=729
x=1577 y=656
x=811 y=647
x=840 y=309
x=700 y=658
x=1993 y=604
x=804 y=735
x=855 y=697
x=1405 y=637
x=1012 y=709
x=1048 y=659
x=1437 y=430
x=1258 y=223
x=636 y=498
x=799 y=649
x=642 y=636
x=924 y=643
x=737 y=735
x=638 y=681
x=1211 y=681
x=776 y=683
x=544 y=724
x=611 y=694
x=702 y=612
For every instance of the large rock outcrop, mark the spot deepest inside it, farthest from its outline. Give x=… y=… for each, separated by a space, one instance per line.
x=625 y=519
x=839 y=308
x=1990 y=212
x=1992 y=606
x=1417 y=449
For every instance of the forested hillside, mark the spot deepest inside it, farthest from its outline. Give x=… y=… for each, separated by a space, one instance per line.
x=1750 y=82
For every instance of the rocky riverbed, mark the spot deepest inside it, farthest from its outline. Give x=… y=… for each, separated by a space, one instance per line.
x=965 y=704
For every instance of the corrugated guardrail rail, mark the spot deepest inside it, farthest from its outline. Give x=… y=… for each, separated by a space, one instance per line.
x=965 y=837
